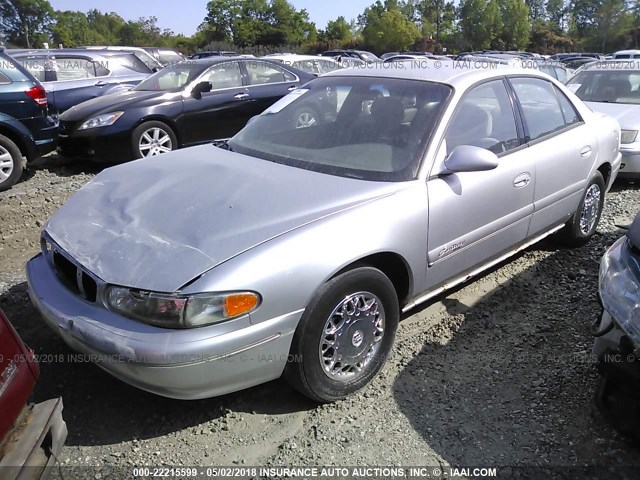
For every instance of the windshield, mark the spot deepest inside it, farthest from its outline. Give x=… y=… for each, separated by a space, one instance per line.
x=608 y=86
x=172 y=78
x=364 y=127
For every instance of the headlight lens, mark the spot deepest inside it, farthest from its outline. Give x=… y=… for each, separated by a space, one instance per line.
x=180 y=311
x=628 y=136
x=620 y=290
x=101 y=120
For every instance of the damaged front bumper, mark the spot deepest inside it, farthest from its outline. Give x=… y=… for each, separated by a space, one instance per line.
x=32 y=450
x=184 y=364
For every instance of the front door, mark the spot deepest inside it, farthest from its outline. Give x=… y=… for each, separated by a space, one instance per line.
x=477 y=216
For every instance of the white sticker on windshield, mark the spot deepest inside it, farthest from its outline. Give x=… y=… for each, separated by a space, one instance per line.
x=574 y=87
x=284 y=101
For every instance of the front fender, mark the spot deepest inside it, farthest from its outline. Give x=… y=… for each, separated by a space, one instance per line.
x=288 y=269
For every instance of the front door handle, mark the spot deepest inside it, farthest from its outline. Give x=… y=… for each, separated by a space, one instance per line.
x=586 y=151
x=241 y=96
x=522 y=180
x=101 y=83
x=292 y=88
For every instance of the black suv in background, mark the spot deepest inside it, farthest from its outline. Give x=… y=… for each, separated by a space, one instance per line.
x=26 y=128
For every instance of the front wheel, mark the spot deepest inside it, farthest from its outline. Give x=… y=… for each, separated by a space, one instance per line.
x=153 y=138
x=306 y=116
x=583 y=223
x=10 y=163
x=345 y=335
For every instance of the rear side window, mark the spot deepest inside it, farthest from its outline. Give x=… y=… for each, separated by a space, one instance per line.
x=571 y=115
x=4 y=79
x=37 y=67
x=542 y=112
x=133 y=63
x=262 y=72
x=73 y=68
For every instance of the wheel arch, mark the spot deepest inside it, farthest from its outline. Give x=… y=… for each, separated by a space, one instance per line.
x=17 y=138
x=393 y=265
x=605 y=169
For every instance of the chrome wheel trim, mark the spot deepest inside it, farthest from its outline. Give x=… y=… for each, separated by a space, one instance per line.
x=154 y=142
x=352 y=336
x=305 y=119
x=6 y=164
x=590 y=209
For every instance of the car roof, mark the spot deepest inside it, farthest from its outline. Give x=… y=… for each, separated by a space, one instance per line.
x=295 y=57
x=68 y=51
x=451 y=72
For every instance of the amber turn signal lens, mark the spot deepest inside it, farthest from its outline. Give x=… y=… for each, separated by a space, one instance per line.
x=240 y=303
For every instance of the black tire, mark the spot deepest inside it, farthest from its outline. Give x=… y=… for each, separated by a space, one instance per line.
x=575 y=235
x=11 y=157
x=306 y=116
x=306 y=373
x=139 y=132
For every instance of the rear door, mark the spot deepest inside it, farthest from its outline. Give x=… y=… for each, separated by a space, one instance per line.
x=77 y=79
x=267 y=83
x=220 y=113
x=562 y=146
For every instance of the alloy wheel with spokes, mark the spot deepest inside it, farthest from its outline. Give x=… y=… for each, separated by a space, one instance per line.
x=10 y=163
x=153 y=138
x=6 y=164
x=154 y=142
x=583 y=223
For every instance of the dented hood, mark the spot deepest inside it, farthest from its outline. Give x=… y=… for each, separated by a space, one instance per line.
x=158 y=223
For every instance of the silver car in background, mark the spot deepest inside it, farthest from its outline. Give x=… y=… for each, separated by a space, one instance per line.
x=612 y=87
x=293 y=251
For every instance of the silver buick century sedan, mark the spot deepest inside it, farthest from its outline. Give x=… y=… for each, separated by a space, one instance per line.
x=292 y=251
x=613 y=88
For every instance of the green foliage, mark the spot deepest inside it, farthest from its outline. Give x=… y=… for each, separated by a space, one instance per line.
x=338 y=30
x=23 y=22
x=388 y=29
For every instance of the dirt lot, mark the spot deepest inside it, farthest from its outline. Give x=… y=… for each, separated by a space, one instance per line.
x=498 y=373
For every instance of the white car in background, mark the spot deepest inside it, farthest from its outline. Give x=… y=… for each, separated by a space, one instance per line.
x=307 y=63
x=612 y=87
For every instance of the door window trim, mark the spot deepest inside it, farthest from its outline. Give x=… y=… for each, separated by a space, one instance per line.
x=284 y=72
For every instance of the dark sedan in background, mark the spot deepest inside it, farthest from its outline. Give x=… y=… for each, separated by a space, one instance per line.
x=73 y=76
x=182 y=105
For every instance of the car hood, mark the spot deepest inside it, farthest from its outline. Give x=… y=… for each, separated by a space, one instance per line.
x=114 y=102
x=156 y=224
x=627 y=115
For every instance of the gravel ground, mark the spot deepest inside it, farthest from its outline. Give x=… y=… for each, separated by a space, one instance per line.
x=497 y=373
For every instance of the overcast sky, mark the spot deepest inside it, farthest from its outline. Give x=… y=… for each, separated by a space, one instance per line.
x=185 y=16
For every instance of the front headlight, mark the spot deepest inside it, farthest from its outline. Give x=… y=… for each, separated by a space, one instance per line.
x=628 y=136
x=179 y=311
x=620 y=290
x=103 y=120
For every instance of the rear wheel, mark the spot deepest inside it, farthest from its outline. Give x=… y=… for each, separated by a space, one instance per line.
x=10 y=163
x=153 y=138
x=345 y=335
x=583 y=223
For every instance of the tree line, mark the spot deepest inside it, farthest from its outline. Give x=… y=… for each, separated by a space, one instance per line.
x=261 y=26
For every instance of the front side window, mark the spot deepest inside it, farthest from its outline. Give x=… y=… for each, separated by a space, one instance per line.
x=542 y=112
x=224 y=75
x=363 y=127
x=484 y=118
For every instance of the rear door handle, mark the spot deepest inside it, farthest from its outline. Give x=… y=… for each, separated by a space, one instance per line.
x=101 y=83
x=241 y=96
x=586 y=151
x=522 y=180
x=292 y=88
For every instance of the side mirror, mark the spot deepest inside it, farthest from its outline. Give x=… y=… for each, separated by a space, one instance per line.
x=201 y=88
x=467 y=158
